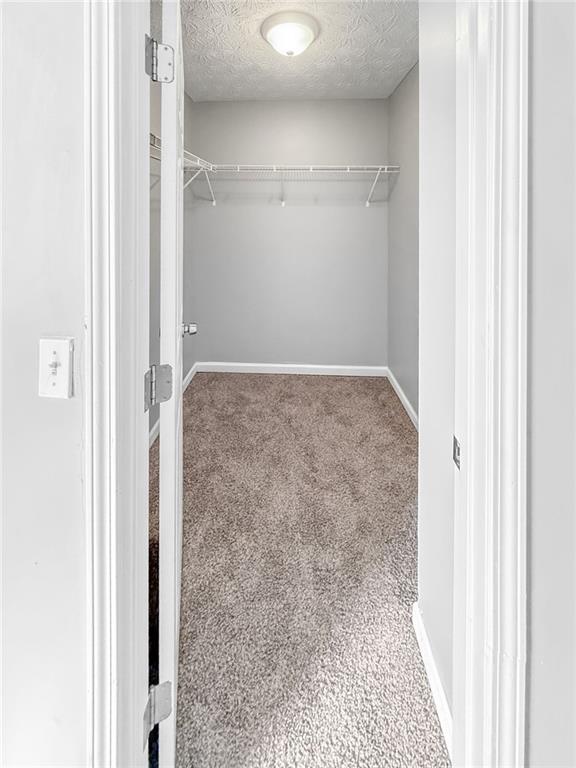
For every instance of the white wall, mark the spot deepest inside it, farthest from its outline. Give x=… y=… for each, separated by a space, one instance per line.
x=551 y=731
x=301 y=284
x=403 y=238
x=45 y=679
x=436 y=309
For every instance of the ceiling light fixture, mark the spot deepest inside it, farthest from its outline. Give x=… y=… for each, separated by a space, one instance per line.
x=290 y=33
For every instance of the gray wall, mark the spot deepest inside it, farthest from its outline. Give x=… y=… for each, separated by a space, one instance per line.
x=551 y=734
x=403 y=238
x=436 y=369
x=301 y=284
x=293 y=285
x=320 y=132
x=190 y=310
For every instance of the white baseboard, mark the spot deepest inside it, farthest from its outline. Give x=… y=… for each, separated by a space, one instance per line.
x=304 y=369
x=189 y=376
x=403 y=399
x=299 y=370
x=155 y=431
x=438 y=693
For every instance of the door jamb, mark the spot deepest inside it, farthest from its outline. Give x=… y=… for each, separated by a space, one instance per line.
x=171 y=435
x=491 y=382
x=116 y=455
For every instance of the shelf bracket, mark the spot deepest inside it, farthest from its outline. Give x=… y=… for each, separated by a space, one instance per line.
x=373 y=188
x=210 y=187
x=191 y=179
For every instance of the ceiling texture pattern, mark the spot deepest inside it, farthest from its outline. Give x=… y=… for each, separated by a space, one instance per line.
x=363 y=51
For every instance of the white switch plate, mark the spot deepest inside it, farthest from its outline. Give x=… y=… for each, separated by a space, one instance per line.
x=56 y=367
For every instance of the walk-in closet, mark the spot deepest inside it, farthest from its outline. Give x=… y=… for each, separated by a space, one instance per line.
x=287 y=383
x=298 y=575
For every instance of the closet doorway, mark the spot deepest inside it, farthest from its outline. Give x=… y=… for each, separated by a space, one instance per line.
x=298 y=548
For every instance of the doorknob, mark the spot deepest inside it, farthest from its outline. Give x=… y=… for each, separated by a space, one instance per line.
x=189 y=329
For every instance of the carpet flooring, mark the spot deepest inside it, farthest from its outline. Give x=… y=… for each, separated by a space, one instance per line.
x=299 y=574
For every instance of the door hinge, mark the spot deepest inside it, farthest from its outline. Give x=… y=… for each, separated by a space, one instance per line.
x=158 y=706
x=189 y=329
x=157 y=385
x=159 y=61
x=456 y=451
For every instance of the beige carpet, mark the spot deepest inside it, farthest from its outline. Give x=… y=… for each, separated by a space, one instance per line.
x=299 y=574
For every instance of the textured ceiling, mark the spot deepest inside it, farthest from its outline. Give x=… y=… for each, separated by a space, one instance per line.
x=363 y=51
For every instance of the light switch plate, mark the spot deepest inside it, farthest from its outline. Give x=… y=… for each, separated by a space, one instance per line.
x=56 y=367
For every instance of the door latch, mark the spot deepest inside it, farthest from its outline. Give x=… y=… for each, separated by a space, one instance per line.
x=189 y=329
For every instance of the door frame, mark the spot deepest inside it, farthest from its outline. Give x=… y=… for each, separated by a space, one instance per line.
x=117 y=110
x=491 y=380
x=489 y=671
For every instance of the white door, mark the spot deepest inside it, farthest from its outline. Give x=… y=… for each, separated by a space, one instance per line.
x=171 y=354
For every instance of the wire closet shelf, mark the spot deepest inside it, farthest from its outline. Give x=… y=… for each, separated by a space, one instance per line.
x=196 y=168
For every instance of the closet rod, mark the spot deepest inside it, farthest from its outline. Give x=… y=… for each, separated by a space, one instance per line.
x=304 y=169
x=197 y=166
x=193 y=162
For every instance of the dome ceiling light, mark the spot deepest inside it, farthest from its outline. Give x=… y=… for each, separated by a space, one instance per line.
x=290 y=33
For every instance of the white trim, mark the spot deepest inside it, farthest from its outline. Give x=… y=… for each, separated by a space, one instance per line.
x=293 y=368
x=491 y=377
x=403 y=399
x=438 y=692
x=99 y=356
x=379 y=371
x=116 y=465
x=170 y=497
x=3 y=356
x=189 y=376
